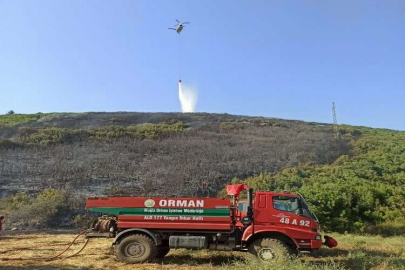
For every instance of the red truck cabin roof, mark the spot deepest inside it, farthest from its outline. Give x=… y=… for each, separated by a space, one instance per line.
x=277 y=193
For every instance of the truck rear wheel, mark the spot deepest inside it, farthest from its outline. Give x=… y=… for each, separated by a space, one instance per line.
x=136 y=248
x=270 y=249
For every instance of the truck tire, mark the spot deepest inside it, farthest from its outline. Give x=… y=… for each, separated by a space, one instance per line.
x=270 y=249
x=136 y=248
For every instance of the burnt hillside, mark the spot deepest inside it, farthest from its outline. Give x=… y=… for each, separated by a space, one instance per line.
x=153 y=153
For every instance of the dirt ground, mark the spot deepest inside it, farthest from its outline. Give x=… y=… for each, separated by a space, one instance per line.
x=353 y=252
x=96 y=255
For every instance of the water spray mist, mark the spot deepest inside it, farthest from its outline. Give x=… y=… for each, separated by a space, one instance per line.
x=188 y=97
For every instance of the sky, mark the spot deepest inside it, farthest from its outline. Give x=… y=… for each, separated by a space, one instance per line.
x=284 y=59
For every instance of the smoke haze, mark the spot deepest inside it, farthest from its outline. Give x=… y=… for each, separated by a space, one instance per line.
x=188 y=97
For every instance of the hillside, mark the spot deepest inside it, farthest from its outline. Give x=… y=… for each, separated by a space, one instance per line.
x=358 y=179
x=152 y=153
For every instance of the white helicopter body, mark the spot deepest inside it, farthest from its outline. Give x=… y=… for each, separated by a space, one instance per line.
x=179 y=26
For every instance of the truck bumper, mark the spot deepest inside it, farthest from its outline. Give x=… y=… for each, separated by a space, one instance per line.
x=315 y=244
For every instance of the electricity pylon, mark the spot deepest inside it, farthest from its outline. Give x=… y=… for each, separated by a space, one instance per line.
x=335 y=125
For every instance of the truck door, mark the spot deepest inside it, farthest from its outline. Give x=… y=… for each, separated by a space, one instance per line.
x=287 y=211
x=262 y=204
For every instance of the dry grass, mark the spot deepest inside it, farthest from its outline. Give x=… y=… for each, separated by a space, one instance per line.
x=354 y=252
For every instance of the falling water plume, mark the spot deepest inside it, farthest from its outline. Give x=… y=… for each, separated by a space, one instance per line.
x=188 y=97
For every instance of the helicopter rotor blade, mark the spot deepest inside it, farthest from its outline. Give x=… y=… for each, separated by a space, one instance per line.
x=177 y=21
x=172 y=28
x=185 y=22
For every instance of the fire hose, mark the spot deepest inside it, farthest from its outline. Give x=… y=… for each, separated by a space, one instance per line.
x=57 y=256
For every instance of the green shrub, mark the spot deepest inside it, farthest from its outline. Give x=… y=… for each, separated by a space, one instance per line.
x=108 y=133
x=360 y=193
x=15 y=202
x=44 y=210
x=152 y=131
x=82 y=221
x=10 y=120
x=231 y=126
x=62 y=135
x=54 y=135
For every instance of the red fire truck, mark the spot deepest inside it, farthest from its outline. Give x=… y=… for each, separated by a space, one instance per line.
x=270 y=225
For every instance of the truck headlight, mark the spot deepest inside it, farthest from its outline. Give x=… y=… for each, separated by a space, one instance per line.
x=318 y=237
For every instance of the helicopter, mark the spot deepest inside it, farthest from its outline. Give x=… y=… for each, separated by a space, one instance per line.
x=179 y=26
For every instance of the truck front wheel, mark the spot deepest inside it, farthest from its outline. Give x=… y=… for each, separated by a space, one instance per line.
x=136 y=248
x=270 y=249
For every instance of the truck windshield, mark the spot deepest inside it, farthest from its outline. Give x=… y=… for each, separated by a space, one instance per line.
x=283 y=203
x=306 y=211
x=291 y=204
